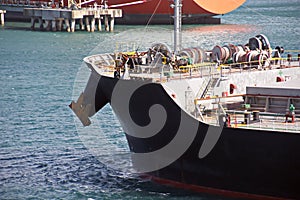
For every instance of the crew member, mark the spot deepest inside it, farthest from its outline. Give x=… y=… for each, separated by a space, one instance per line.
x=291 y=113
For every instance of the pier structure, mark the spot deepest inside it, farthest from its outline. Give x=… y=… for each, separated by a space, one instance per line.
x=87 y=18
x=2 y=12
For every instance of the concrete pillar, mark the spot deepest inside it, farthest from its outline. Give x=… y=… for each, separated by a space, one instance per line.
x=53 y=25
x=41 y=23
x=112 y=23
x=67 y=23
x=81 y=24
x=48 y=25
x=99 y=24
x=2 y=18
x=92 y=24
x=73 y=24
x=59 y=24
x=87 y=24
x=106 y=23
x=69 y=3
x=32 y=23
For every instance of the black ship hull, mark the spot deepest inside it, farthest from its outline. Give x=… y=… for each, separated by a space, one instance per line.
x=229 y=161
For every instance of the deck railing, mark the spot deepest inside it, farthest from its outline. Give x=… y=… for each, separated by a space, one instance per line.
x=166 y=72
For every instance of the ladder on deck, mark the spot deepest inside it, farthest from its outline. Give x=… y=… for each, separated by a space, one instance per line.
x=210 y=87
x=205 y=90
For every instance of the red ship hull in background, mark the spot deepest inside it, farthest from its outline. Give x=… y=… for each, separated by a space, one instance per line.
x=139 y=11
x=160 y=12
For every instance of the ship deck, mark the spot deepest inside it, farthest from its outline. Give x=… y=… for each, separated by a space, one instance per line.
x=105 y=65
x=271 y=117
x=259 y=109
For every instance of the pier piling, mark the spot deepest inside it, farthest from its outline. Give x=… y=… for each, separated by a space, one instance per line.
x=87 y=23
x=59 y=24
x=112 y=23
x=99 y=24
x=41 y=23
x=92 y=24
x=106 y=23
x=54 y=25
x=56 y=18
x=48 y=25
x=2 y=12
x=32 y=22
x=67 y=23
x=81 y=25
x=73 y=24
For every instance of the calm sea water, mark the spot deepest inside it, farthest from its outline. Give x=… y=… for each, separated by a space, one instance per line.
x=43 y=152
